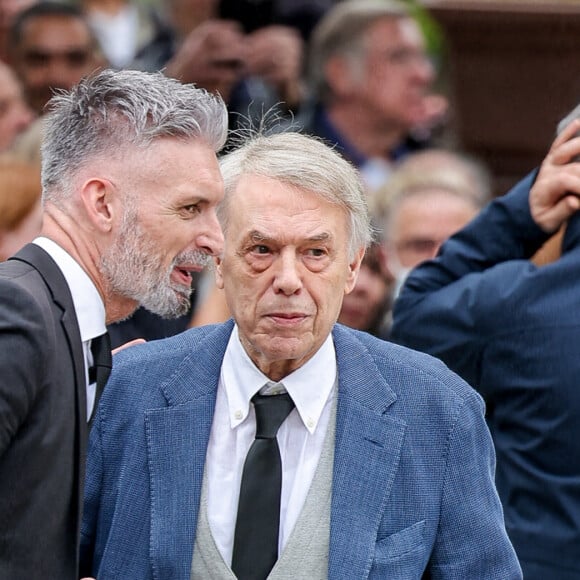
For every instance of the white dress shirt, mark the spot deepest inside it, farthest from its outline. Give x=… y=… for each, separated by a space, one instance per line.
x=89 y=306
x=300 y=438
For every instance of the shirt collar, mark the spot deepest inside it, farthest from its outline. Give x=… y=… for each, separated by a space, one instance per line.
x=89 y=307
x=310 y=386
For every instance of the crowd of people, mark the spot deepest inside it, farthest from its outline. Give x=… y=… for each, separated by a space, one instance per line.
x=261 y=317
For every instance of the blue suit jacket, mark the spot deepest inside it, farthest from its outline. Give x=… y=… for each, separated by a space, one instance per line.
x=413 y=471
x=512 y=330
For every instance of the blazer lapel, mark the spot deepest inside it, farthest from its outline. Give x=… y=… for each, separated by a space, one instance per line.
x=56 y=284
x=55 y=281
x=367 y=451
x=177 y=441
x=177 y=438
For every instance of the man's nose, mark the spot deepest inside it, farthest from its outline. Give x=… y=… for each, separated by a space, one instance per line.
x=287 y=278
x=60 y=74
x=423 y=69
x=211 y=238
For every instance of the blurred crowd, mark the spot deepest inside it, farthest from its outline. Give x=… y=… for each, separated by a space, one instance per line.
x=362 y=75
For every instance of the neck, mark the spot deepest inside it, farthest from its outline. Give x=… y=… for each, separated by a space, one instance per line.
x=360 y=127
x=85 y=246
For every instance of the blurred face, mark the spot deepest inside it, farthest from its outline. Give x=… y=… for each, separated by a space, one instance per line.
x=421 y=223
x=26 y=231
x=54 y=52
x=396 y=72
x=9 y=9
x=362 y=306
x=186 y=15
x=170 y=227
x=15 y=115
x=285 y=271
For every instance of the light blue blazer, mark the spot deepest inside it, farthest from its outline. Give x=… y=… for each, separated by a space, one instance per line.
x=413 y=489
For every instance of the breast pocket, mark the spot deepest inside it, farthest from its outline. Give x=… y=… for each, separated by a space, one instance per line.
x=401 y=555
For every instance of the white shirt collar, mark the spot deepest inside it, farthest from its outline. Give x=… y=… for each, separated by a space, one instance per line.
x=89 y=306
x=310 y=386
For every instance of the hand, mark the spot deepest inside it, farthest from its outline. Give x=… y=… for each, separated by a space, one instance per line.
x=127 y=345
x=554 y=196
x=275 y=54
x=212 y=56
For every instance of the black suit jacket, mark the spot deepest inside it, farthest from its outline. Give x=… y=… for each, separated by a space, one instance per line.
x=43 y=425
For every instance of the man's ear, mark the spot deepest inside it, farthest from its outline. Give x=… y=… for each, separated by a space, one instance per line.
x=219 y=279
x=353 y=270
x=98 y=198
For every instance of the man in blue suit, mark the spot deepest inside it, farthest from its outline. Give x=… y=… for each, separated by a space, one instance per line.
x=512 y=329
x=387 y=465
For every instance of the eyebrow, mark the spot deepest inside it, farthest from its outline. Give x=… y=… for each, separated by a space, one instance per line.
x=257 y=236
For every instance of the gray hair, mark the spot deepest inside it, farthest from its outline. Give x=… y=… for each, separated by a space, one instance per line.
x=111 y=110
x=341 y=32
x=456 y=173
x=306 y=163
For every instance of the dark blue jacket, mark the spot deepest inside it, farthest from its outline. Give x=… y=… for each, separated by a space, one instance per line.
x=512 y=330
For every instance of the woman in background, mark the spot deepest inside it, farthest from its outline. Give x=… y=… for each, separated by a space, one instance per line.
x=20 y=206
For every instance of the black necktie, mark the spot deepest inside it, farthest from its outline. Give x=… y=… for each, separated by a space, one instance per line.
x=258 y=522
x=102 y=362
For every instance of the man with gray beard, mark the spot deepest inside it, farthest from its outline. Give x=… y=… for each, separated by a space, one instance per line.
x=130 y=187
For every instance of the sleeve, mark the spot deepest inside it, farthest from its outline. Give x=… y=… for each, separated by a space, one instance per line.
x=472 y=541
x=24 y=345
x=447 y=304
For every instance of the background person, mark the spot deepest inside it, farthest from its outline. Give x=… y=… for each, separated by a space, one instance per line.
x=52 y=47
x=370 y=80
x=366 y=307
x=429 y=197
x=20 y=207
x=255 y=65
x=511 y=328
x=15 y=114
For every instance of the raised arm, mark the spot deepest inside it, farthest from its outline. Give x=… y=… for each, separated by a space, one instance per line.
x=447 y=305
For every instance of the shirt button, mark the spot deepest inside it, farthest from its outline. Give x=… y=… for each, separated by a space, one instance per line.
x=310 y=422
x=238 y=415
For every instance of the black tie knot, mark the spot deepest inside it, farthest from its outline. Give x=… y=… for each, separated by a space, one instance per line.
x=271 y=410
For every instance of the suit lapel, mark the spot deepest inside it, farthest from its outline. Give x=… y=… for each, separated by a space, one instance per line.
x=36 y=257
x=177 y=438
x=177 y=442
x=56 y=284
x=367 y=451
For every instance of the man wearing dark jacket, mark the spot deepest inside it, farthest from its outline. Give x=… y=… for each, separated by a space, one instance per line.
x=512 y=330
x=130 y=184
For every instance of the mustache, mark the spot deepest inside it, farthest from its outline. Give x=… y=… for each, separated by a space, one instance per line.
x=192 y=258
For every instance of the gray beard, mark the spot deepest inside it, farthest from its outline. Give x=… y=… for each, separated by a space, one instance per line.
x=132 y=269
